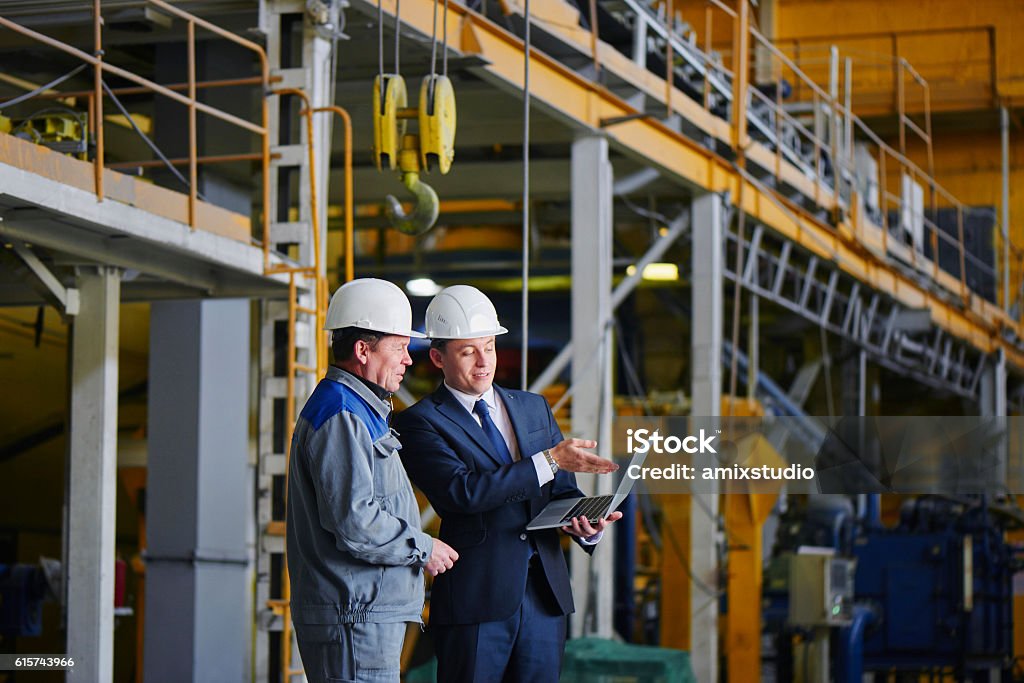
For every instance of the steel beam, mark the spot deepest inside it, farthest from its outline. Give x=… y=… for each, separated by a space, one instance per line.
x=707 y=305
x=890 y=332
x=64 y=299
x=92 y=478
x=591 y=363
x=675 y=229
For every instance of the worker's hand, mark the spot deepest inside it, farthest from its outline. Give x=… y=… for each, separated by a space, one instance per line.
x=582 y=527
x=571 y=457
x=442 y=558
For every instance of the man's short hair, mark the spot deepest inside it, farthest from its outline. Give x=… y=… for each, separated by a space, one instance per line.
x=343 y=341
x=439 y=344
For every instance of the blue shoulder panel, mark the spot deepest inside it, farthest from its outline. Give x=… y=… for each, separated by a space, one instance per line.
x=330 y=398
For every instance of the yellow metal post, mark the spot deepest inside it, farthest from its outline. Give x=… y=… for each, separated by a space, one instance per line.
x=98 y=96
x=746 y=506
x=674 y=610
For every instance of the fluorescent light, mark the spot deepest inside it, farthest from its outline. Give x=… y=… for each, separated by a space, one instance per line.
x=663 y=272
x=422 y=286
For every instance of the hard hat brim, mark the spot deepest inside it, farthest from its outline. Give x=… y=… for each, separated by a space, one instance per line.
x=476 y=335
x=412 y=334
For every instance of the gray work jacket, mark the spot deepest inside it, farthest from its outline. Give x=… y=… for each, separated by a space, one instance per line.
x=355 y=547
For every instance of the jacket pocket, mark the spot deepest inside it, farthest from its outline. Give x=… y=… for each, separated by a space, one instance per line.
x=468 y=539
x=388 y=474
x=535 y=441
x=463 y=531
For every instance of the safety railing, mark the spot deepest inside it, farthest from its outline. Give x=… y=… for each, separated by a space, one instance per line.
x=812 y=128
x=189 y=99
x=961 y=75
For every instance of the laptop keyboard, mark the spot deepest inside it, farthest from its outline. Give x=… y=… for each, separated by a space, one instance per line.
x=591 y=508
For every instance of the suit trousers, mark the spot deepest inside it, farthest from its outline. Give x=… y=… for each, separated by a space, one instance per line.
x=525 y=648
x=355 y=652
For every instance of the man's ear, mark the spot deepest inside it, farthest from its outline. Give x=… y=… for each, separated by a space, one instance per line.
x=437 y=359
x=361 y=351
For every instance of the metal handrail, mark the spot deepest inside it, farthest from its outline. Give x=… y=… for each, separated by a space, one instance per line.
x=346 y=121
x=194 y=105
x=838 y=108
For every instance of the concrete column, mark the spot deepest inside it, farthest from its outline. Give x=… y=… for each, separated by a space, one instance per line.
x=706 y=391
x=198 y=596
x=992 y=403
x=591 y=363
x=92 y=477
x=766 y=70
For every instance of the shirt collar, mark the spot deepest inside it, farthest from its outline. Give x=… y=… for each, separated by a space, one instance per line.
x=468 y=401
x=354 y=382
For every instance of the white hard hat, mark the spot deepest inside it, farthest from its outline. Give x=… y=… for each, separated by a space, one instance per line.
x=371 y=304
x=462 y=312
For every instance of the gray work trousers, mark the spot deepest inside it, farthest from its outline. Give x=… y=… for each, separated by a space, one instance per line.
x=355 y=652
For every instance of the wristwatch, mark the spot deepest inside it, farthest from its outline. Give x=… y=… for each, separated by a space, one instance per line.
x=551 y=461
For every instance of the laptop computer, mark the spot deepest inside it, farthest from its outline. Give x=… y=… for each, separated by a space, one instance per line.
x=559 y=513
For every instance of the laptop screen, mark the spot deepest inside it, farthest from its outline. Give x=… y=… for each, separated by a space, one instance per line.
x=626 y=482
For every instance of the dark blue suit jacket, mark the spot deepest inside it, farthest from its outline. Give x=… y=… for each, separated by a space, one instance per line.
x=484 y=504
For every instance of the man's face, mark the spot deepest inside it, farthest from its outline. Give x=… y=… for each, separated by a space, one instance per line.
x=467 y=364
x=385 y=364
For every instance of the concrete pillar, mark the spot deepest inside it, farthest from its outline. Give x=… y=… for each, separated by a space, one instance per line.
x=591 y=363
x=198 y=594
x=706 y=391
x=92 y=477
x=992 y=404
x=766 y=67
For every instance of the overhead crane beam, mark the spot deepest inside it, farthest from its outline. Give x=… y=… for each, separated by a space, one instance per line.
x=586 y=105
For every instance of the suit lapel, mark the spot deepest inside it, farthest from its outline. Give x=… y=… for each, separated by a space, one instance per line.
x=450 y=407
x=514 y=409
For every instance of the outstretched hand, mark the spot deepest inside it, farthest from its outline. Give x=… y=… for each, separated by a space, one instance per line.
x=571 y=457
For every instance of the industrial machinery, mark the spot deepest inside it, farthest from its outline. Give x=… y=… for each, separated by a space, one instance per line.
x=61 y=129
x=932 y=595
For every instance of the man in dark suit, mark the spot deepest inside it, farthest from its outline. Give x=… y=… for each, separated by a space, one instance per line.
x=489 y=459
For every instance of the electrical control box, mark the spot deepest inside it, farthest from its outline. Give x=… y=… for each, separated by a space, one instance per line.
x=820 y=588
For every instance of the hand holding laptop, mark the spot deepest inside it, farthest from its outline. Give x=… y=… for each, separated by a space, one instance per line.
x=582 y=527
x=591 y=513
x=570 y=456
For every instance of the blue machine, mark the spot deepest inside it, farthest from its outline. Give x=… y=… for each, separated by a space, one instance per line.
x=932 y=594
x=942 y=584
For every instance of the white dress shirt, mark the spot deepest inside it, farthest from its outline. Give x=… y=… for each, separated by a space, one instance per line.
x=496 y=407
x=499 y=415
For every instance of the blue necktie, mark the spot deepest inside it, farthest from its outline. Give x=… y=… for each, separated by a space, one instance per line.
x=491 y=430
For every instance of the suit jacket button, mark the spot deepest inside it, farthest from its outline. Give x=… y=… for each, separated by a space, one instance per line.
x=522 y=537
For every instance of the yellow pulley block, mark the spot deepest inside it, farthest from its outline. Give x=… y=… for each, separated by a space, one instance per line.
x=437 y=123
x=389 y=97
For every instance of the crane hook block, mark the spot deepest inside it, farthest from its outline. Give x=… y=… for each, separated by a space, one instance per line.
x=437 y=123
x=389 y=96
x=424 y=212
